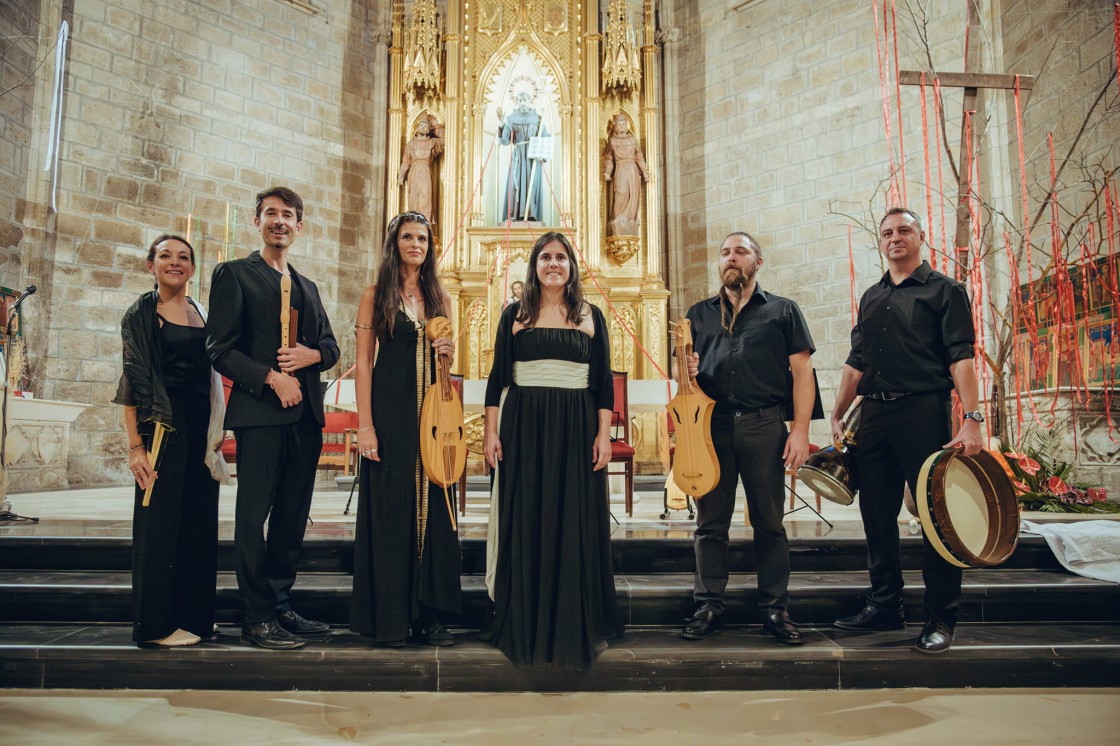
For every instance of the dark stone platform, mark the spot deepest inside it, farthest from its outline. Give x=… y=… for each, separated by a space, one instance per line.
x=65 y=607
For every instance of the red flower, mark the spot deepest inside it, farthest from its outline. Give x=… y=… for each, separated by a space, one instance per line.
x=1012 y=454
x=1029 y=466
x=1057 y=486
x=1022 y=488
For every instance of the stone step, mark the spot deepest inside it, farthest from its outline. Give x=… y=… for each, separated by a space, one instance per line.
x=330 y=548
x=645 y=659
x=993 y=595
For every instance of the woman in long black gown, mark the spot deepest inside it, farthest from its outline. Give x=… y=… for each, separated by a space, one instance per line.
x=407 y=560
x=168 y=380
x=548 y=413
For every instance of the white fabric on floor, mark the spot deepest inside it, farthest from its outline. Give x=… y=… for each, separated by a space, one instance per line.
x=1089 y=548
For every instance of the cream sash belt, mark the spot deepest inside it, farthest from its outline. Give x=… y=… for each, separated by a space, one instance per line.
x=559 y=374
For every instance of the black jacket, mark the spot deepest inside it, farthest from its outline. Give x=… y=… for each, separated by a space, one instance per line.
x=243 y=334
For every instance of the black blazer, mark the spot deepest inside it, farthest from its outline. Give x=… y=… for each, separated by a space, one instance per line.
x=243 y=334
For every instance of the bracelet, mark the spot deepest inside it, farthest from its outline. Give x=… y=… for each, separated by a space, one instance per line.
x=362 y=326
x=133 y=448
x=363 y=429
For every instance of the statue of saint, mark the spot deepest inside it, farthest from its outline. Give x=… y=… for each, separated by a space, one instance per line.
x=418 y=167
x=522 y=195
x=626 y=168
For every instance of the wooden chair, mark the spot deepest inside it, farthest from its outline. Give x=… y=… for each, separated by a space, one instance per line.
x=621 y=450
x=340 y=442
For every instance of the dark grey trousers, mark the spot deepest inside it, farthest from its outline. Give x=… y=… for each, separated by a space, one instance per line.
x=749 y=446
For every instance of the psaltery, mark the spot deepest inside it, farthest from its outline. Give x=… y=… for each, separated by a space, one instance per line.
x=695 y=467
x=443 y=444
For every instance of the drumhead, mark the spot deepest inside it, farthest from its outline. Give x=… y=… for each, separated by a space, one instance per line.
x=968 y=508
x=826 y=485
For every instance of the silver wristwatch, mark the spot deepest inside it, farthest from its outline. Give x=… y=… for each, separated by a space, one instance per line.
x=977 y=415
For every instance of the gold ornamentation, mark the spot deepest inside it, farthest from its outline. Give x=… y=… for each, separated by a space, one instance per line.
x=421 y=59
x=621 y=65
x=622 y=249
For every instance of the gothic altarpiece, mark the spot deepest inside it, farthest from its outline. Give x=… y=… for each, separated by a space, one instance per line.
x=522 y=116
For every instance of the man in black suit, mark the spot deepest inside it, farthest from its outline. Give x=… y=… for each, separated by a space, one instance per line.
x=276 y=413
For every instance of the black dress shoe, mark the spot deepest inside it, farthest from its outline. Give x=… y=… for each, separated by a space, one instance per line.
x=270 y=636
x=782 y=628
x=936 y=637
x=872 y=618
x=298 y=625
x=703 y=624
x=434 y=634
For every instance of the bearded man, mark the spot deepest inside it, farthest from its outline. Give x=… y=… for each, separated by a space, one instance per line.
x=751 y=355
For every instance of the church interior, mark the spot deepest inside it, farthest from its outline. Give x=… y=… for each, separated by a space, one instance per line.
x=646 y=131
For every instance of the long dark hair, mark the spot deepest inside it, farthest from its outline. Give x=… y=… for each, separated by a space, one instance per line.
x=531 y=294
x=387 y=294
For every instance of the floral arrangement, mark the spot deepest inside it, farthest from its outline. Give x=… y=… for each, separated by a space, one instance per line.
x=1045 y=484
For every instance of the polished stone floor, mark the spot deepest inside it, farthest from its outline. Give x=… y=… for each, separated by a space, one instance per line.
x=887 y=716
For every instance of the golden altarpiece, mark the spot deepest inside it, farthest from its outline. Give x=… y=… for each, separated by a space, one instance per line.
x=513 y=117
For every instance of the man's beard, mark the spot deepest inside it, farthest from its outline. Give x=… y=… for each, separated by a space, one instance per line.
x=734 y=278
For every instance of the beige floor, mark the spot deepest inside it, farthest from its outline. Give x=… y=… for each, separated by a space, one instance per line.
x=896 y=717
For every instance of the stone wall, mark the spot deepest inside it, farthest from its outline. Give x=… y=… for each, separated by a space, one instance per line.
x=782 y=135
x=781 y=132
x=190 y=108
x=19 y=30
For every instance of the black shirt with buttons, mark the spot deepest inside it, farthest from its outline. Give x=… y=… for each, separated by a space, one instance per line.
x=907 y=335
x=746 y=366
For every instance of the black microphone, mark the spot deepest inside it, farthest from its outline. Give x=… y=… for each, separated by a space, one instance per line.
x=29 y=291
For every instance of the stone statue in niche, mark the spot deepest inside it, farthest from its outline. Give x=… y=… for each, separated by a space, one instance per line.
x=418 y=166
x=522 y=195
x=625 y=170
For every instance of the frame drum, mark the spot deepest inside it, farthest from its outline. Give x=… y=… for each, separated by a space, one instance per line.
x=968 y=508
x=828 y=474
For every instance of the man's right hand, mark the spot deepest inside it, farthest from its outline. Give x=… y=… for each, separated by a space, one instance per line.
x=286 y=388
x=837 y=422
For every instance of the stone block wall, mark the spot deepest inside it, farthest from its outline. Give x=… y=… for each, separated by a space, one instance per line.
x=191 y=108
x=19 y=30
x=782 y=135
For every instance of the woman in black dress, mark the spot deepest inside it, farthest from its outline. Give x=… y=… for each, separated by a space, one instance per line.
x=168 y=380
x=548 y=414
x=407 y=561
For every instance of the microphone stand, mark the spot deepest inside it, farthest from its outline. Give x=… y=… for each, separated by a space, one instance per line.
x=5 y=513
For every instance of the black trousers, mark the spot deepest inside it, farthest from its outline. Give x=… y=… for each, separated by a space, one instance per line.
x=749 y=447
x=275 y=479
x=894 y=440
x=175 y=538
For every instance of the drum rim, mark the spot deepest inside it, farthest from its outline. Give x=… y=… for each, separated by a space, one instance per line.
x=1000 y=500
x=821 y=473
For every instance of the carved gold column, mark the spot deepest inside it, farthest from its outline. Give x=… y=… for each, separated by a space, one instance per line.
x=457 y=183
x=396 y=110
x=655 y=296
x=591 y=171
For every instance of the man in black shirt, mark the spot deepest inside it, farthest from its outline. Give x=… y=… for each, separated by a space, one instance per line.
x=751 y=355
x=911 y=346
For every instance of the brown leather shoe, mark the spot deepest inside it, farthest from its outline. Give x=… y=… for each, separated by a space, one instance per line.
x=782 y=628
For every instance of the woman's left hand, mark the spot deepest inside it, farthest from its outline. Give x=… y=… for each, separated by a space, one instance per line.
x=445 y=347
x=601 y=451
